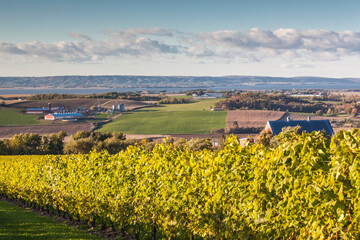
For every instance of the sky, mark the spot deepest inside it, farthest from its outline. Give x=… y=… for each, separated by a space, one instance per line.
x=283 y=38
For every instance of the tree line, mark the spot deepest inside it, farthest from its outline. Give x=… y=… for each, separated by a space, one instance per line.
x=173 y=100
x=84 y=142
x=108 y=95
x=263 y=101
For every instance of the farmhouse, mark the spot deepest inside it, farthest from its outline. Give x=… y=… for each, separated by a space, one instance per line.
x=306 y=125
x=57 y=116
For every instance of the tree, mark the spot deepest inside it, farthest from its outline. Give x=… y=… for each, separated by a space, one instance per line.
x=54 y=143
x=265 y=138
x=197 y=144
x=4 y=147
x=84 y=142
x=319 y=112
x=354 y=111
x=82 y=146
x=25 y=143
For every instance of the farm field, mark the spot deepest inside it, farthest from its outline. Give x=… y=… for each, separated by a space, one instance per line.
x=19 y=224
x=165 y=122
x=194 y=105
x=9 y=131
x=10 y=116
x=187 y=118
x=252 y=118
x=80 y=102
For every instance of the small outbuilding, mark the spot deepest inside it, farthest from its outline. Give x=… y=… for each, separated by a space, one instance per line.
x=306 y=125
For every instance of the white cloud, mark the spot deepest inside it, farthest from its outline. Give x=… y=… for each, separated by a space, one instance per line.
x=287 y=65
x=125 y=43
x=287 y=43
x=237 y=46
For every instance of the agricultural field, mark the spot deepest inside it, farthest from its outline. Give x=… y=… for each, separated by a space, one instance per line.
x=166 y=122
x=188 y=118
x=10 y=116
x=81 y=102
x=252 y=118
x=9 y=131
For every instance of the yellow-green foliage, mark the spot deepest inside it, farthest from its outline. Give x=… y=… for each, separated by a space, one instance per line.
x=306 y=188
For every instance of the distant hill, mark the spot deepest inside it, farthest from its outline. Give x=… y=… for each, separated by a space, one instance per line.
x=123 y=81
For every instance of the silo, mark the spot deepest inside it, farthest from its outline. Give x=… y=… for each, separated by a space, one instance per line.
x=49 y=107
x=114 y=108
x=121 y=107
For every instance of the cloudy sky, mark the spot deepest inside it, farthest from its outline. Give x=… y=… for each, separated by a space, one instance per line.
x=188 y=37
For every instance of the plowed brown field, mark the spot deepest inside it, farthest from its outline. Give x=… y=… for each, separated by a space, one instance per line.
x=252 y=118
x=9 y=131
x=81 y=102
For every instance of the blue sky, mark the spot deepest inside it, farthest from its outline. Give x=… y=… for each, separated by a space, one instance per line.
x=138 y=37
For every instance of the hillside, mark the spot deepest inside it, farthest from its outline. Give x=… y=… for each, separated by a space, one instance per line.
x=124 y=81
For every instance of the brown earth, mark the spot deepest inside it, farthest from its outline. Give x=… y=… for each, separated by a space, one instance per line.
x=9 y=131
x=15 y=95
x=82 y=102
x=252 y=118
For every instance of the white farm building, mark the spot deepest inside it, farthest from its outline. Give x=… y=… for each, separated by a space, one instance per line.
x=59 y=116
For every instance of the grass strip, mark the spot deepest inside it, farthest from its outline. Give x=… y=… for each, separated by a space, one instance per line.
x=20 y=224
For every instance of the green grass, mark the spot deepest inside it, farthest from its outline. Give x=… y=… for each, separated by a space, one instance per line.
x=194 y=105
x=11 y=116
x=98 y=118
x=187 y=118
x=102 y=116
x=19 y=224
x=157 y=122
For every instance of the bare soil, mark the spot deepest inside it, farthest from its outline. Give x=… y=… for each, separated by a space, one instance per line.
x=81 y=102
x=252 y=118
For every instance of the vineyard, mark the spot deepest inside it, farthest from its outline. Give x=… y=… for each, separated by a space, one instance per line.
x=308 y=187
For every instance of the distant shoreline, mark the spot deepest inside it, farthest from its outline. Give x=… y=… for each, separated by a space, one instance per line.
x=100 y=90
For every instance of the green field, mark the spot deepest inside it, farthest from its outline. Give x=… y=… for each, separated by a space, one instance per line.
x=11 y=116
x=188 y=118
x=194 y=105
x=19 y=224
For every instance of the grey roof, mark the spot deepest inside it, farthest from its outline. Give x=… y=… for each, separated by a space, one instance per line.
x=308 y=126
x=67 y=114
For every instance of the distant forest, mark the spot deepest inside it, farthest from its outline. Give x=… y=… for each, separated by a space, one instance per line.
x=123 y=81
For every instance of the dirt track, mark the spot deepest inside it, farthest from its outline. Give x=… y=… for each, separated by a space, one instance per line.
x=9 y=131
x=252 y=118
